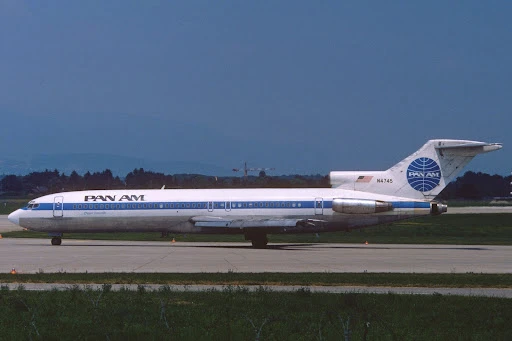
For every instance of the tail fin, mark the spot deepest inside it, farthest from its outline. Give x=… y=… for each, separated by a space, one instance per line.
x=422 y=175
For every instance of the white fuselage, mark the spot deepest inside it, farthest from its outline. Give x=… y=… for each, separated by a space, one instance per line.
x=208 y=211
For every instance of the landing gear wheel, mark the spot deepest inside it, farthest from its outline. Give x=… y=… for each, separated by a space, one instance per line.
x=56 y=241
x=259 y=242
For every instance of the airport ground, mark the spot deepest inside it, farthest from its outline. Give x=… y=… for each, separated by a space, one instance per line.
x=444 y=282
x=30 y=255
x=34 y=255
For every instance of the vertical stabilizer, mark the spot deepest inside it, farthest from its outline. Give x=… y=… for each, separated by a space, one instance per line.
x=422 y=175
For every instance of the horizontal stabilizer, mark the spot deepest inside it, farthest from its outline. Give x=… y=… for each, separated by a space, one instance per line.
x=491 y=146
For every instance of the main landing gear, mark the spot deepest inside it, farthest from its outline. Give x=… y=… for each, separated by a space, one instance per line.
x=258 y=240
x=56 y=238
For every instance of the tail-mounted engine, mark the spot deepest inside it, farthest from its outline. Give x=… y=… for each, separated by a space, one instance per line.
x=360 y=206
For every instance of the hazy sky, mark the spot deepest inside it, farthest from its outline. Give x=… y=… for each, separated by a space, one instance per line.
x=302 y=86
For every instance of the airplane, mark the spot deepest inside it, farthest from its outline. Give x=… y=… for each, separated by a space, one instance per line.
x=356 y=199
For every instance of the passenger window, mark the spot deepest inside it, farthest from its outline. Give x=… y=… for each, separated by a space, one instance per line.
x=95 y=206
x=101 y=206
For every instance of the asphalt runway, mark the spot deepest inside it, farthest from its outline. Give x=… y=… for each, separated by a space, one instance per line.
x=7 y=226
x=37 y=255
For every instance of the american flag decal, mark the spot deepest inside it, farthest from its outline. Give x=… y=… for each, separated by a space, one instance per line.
x=364 y=178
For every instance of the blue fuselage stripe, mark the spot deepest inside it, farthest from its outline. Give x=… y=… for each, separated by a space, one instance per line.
x=210 y=205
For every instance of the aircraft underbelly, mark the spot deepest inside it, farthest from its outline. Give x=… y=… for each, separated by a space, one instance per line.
x=184 y=225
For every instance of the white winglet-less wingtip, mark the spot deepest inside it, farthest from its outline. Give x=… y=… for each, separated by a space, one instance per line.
x=356 y=199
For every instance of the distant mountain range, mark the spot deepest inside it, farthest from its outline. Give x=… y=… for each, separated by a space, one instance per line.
x=119 y=165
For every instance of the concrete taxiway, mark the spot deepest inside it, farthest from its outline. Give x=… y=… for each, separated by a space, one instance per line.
x=487 y=292
x=479 y=210
x=37 y=255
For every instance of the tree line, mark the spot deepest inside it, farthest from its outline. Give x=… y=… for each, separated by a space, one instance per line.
x=469 y=186
x=50 y=181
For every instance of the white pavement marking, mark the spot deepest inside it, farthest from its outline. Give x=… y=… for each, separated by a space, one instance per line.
x=487 y=292
x=37 y=255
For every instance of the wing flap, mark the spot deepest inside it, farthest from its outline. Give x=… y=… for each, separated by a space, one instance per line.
x=251 y=223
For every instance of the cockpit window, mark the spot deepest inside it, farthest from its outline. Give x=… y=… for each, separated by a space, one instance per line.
x=31 y=205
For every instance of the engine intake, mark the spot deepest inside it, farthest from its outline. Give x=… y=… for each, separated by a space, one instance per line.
x=360 y=206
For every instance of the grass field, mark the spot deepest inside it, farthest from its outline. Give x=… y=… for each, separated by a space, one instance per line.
x=467 y=229
x=237 y=314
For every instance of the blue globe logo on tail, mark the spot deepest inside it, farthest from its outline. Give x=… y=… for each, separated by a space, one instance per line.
x=423 y=174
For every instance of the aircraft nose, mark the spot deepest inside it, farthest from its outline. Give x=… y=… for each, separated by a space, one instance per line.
x=14 y=217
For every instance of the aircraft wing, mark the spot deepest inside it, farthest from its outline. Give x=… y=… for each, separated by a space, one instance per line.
x=211 y=221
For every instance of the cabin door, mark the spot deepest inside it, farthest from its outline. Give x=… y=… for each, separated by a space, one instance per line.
x=58 y=206
x=319 y=206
